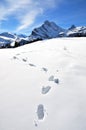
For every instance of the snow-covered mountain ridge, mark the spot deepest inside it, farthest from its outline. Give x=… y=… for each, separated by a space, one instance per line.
x=47 y=30
x=51 y=30
x=76 y=32
x=7 y=38
x=43 y=86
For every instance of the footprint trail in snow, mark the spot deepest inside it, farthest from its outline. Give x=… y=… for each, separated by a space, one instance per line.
x=40 y=112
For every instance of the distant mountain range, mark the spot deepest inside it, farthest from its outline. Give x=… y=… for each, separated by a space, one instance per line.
x=47 y=30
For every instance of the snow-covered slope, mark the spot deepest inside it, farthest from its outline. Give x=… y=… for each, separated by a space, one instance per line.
x=43 y=86
x=46 y=31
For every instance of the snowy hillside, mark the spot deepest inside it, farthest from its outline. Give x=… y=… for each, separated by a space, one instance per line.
x=43 y=86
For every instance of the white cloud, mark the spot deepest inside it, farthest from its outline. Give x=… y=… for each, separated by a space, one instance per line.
x=28 y=19
x=11 y=7
x=25 y=11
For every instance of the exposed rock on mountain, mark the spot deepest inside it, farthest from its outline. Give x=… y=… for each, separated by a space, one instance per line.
x=46 y=31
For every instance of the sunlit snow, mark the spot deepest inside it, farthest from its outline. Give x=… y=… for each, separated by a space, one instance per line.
x=23 y=73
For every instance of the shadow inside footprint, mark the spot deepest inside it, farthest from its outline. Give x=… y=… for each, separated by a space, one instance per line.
x=46 y=89
x=51 y=78
x=18 y=54
x=44 y=69
x=56 y=81
x=65 y=48
x=32 y=65
x=14 y=57
x=35 y=123
x=25 y=60
x=40 y=111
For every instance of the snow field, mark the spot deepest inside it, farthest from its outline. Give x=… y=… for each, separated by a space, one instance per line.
x=43 y=86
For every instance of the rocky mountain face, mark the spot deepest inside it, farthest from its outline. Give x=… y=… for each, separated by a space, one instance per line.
x=47 y=30
x=51 y=30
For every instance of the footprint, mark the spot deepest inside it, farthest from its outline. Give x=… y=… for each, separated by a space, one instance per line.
x=44 y=69
x=35 y=122
x=65 y=48
x=30 y=64
x=46 y=89
x=40 y=112
x=18 y=54
x=25 y=60
x=57 y=70
x=56 y=81
x=14 y=57
x=51 y=78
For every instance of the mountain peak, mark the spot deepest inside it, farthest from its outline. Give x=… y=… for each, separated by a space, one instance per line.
x=72 y=27
x=7 y=34
x=47 y=30
x=46 y=22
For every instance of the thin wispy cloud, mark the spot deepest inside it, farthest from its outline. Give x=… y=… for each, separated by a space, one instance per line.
x=25 y=11
x=12 y=6
x=28 y=19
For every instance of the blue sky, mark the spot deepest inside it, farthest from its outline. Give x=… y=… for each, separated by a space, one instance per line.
x=21 y=16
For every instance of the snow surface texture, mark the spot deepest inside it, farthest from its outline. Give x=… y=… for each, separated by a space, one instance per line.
x=58 y=64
